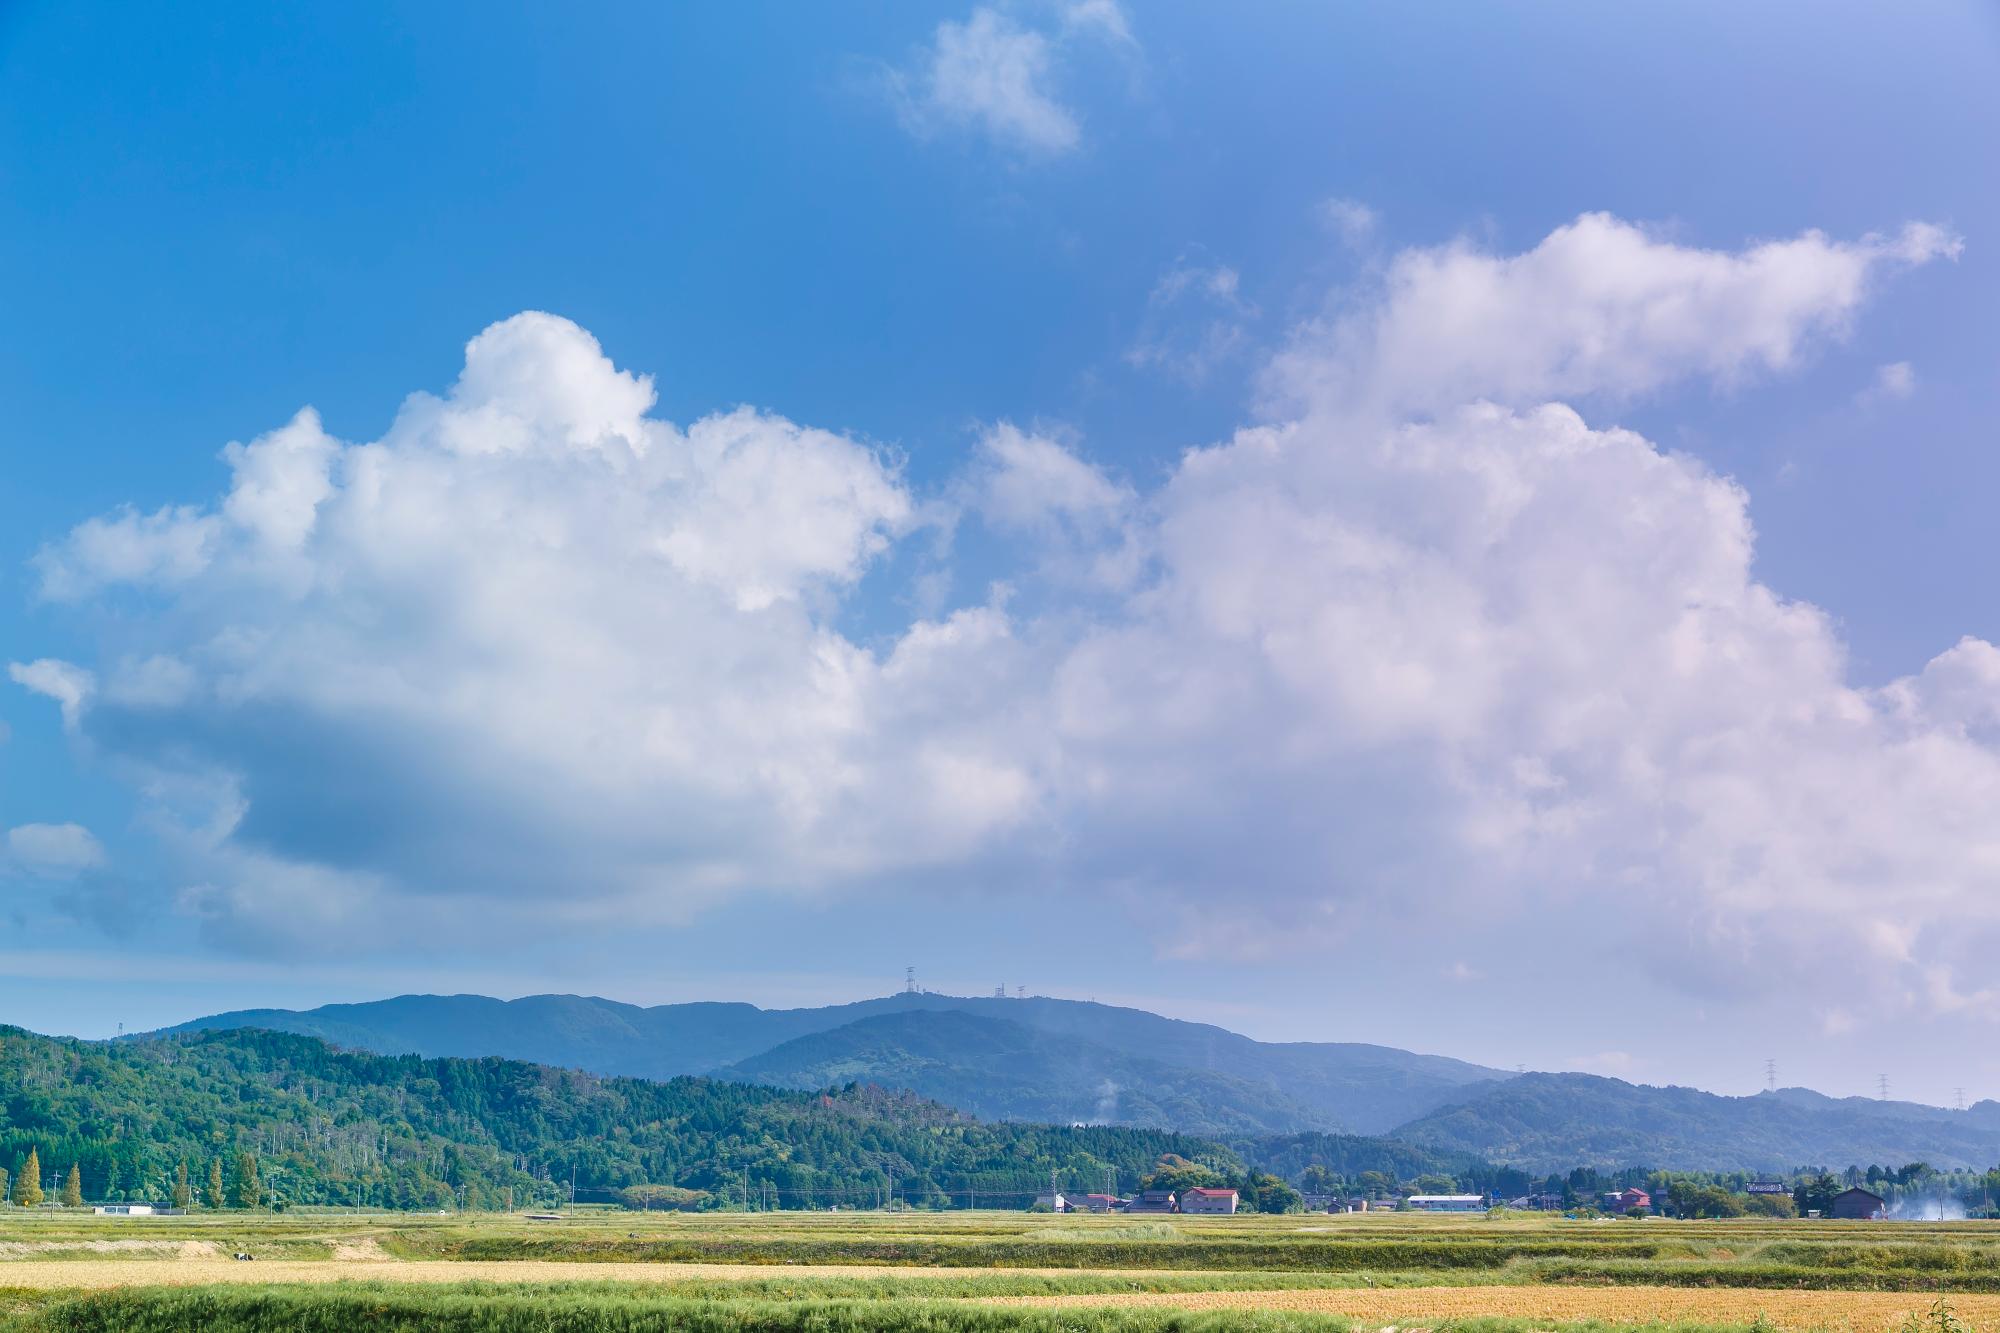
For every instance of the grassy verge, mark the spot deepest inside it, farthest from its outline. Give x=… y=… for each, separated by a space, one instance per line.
x=1290 y=1254
x=577 y=1310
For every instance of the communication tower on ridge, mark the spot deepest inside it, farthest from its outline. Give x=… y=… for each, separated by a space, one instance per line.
x=909 y=981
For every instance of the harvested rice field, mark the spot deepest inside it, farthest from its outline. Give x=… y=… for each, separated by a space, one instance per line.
x=988 y=1273
x=1554 y=1305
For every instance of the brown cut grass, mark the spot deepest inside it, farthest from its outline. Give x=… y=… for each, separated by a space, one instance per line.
x=1405 y=1306
x=56 y=1274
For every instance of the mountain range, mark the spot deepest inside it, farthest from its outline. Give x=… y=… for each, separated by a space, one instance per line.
x=1035 y=1058
x=1059 y=1061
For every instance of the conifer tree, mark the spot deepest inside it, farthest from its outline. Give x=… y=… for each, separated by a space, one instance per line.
x=183 y=1192
x=214 y=1199
x=4 y=1178
x=72 y=1191
x=249 y=1190
x=28 y=1186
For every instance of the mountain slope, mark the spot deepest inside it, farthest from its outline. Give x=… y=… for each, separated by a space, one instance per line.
x=342 y=1127
x=1350 y=1086
x=1551 y=1122
x=1000 y=1070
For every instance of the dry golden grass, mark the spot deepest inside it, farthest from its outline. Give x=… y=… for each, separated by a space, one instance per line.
x=1863 y=1311
x=51 y=1274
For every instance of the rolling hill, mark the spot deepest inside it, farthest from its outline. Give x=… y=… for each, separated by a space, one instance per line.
x=1148 y=1059
x=1066 y=1062
x=331 y=1126
x=1000 y=1070
x=1551 y=1122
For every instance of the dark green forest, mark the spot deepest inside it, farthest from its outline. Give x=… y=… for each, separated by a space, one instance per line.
x=325 y=1126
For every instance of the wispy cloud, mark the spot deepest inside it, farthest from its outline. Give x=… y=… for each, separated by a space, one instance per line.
x=1196 y=318
x=1351 y=220
x=996 y=77
x=1898 y=379
x=53 y=851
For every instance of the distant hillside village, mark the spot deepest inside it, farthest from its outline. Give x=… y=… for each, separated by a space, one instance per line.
x=1914 y=1191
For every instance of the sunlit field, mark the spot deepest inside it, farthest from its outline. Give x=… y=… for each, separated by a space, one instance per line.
x=986 y=1271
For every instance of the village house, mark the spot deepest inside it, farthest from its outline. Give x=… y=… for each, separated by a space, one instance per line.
x=1858 y=1205
x=1152 y=1201
x=1093 y=1203
x=1625 y=1200
x=1198 y=1200
x=1446 y=1203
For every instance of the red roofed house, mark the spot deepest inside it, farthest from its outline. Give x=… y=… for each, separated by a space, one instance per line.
x=1198 y=1200
x=1624 y=1201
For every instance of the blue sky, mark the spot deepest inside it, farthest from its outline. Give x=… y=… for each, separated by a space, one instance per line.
x=894 y=233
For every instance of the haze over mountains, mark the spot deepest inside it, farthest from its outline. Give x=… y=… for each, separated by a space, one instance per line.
x=1060 y=1061
x=1068 y=1061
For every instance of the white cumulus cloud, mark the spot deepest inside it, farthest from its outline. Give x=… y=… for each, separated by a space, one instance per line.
x=1427 y=643
x=1600 y=307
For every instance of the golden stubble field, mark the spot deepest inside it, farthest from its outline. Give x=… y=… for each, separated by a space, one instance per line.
x=1387 y=1271
x=1403 y=1307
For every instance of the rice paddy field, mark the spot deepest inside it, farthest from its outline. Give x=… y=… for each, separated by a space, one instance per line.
x=943 y=1273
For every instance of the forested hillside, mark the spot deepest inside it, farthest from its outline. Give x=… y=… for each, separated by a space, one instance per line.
x=329 y=1126
x=1097 y=1062
x=1552 y=1122
x=999 y=1070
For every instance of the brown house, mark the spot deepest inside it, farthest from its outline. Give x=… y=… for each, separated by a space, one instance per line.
x=1199 y=1200
x=1858 y=1205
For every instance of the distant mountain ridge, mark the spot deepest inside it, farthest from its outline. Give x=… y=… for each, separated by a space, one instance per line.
x=1159 y=1071
x=1551 y=1122
x=1074 y=1062
x=1001 y=1070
